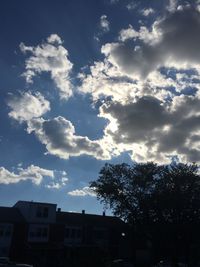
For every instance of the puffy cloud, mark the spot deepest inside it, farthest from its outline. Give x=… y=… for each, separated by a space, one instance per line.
x=141 y=83
x=129 y=33
x=137 y=120
x=27 y=106
x=54 y=38
x=60 y=182
x=54 y=185
x=172 y=5
x=32 y=173
x=176 y=45
x=147 y=11
x=150 y=86
x=59 y=136
x=85 y=191
x=144 y=35
x=50 y=57
x=105 y=79
x=154 y=130
x=104 y=23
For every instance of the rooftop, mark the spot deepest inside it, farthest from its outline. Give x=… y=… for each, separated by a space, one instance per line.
x=34 y=202
x=72 y=217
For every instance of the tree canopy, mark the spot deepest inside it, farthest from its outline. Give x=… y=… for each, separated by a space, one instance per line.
x=148 y=193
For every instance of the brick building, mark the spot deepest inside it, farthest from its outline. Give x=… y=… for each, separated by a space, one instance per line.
x=40 y=234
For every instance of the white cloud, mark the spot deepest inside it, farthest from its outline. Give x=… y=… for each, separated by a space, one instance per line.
x=64 y=180
x=153 y=130
x=143 y=82
x=27 y=106
x=85 y=191
x=144 y=34
x=129 y=33
x=59 y=182
x=50 y=57
x=172 y=5
x=60 y=139
x=105 y=79
x=172 y=42
x=32 y=173
x=147 y=11
x=104 y=23
x=54 y=185
x=53 y=39
x=131 y=6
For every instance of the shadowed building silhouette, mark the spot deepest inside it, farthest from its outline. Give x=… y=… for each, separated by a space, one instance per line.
x=42 y=235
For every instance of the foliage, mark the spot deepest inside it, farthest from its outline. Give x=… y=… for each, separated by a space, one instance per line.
x=148 y=193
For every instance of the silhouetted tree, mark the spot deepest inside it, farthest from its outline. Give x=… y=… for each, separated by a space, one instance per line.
x=163 y=199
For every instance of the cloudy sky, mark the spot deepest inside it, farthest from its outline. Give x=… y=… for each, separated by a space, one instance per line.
x=85 y=82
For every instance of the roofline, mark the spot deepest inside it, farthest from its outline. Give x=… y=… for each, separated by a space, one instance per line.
x=91 y=215
x=34 y=202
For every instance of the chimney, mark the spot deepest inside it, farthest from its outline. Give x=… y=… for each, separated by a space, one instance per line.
x=104 y=213
x=59 y=210
x=83 y=211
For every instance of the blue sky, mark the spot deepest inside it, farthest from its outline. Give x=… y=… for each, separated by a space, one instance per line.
x=89 y=82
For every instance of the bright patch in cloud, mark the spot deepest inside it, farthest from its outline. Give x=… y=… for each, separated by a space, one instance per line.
x=27 y=106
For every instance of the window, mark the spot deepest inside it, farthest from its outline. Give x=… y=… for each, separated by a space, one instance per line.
x=41 y=232
x=73 y=234
x=38 y=233
x=42 y=212
x=5 y=230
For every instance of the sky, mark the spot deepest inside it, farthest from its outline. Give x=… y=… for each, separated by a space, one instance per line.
x=84 y=83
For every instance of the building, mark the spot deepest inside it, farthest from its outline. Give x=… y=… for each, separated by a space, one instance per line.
x=40 y=234
x=11 y=222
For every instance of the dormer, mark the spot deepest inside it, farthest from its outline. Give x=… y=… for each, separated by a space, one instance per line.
x=37 y=212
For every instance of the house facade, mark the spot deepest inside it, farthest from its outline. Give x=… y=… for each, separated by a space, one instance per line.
x=40 y=234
